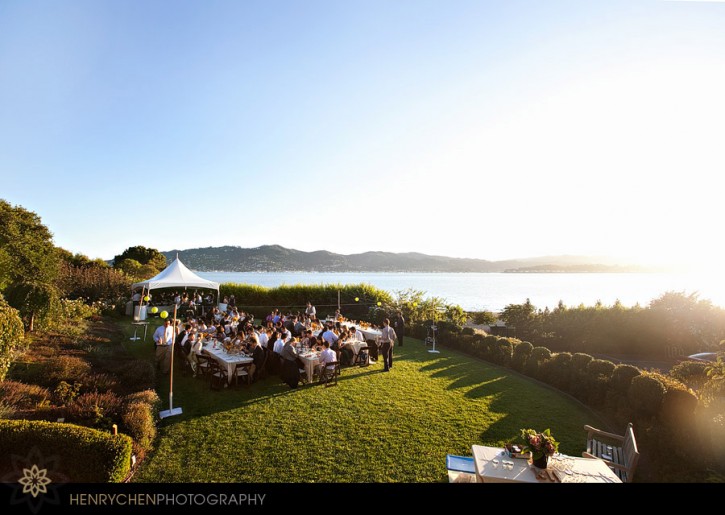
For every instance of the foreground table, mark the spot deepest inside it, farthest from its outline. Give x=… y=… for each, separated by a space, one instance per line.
x=227 y=360
x=567 y=469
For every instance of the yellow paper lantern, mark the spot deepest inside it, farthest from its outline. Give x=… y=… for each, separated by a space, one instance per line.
x=146 y=298
x=380 y=303
x=357 y=299
x=154 y=310
x=164 y=314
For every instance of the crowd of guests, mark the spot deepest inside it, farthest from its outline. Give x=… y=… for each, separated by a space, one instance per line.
x=274 y=343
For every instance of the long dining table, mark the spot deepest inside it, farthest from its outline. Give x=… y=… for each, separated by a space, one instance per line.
x=494 y=466
x=229 y=361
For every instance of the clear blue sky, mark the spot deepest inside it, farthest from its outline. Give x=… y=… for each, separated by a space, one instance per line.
x=488 y=129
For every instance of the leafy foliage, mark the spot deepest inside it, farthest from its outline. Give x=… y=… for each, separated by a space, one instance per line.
x=11 y=334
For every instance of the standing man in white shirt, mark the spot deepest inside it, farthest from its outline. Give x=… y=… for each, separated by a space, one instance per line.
x=164 y=339
x=386 y=345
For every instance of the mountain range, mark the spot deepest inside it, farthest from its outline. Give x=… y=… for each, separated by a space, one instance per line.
x=275 y=258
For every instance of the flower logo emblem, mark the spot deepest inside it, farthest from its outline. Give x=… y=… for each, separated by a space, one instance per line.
x=35 y=481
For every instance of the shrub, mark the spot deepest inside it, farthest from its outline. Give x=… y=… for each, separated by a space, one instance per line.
x=520 y=355
x=66 y=368
x=579 y=361
x=579 y=382
x=139 y=419
x=6 y=411
x=692 y=373
x=505 y=350
x=99 y=383
x=601 y=367
x=468 y=331
x=11 y=333
x=95 y=409
x=538 y=356
x=622 y=378
x=21 y=396
x=557 y=371
x=646 y=394
x=81 y=455
x=65 y=393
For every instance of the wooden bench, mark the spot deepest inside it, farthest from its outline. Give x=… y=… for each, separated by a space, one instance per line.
x=619 y=452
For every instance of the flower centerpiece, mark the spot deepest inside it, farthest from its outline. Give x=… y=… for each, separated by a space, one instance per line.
x=541 y=445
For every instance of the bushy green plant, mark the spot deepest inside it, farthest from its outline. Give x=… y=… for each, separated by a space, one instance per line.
x=538 y=356
x=646 y=394
x=601 y=367
x=692 y=373
x=6 y=411
x=138 y=422
x=66 y=368
x=81 y=454
x=96 y=409
x=65 y=393
x=579 y=361
x=11 y=334
x=622 y=376
x=520 y=356
x=557 y=371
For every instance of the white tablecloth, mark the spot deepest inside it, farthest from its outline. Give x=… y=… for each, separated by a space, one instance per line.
x=310 y=360
x=582 y=470
x=229 y=361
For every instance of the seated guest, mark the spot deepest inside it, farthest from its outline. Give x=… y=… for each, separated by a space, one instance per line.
x=290 y=368
x=299 y=327
x=278 y=342
x=329 y=335
x=356 y=335
x=327 y=358
x=258 y=356
x=195 y=345
x=262 y=336
x=283 y=331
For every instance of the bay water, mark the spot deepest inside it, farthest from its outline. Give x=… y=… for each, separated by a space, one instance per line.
x=494 y=291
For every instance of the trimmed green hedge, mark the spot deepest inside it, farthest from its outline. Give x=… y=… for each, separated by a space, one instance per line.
x=83 y=455
x=260 y=300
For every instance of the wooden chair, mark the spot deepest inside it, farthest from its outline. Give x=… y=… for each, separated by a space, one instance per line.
x=362 y=357
x=203 y=367
x=328 y=376
x=618 y=452
x=242 y=373
x=218 y=378
x=261 y=372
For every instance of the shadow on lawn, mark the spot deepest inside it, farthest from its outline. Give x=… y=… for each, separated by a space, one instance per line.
x=514 y=401
x=197 y=399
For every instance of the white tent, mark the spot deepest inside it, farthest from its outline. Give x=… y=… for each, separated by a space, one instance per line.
x=176 y=275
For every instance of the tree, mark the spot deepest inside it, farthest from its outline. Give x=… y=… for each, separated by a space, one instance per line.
x=32 y=299
x=30 y=262
x=26 y=247
x=145 y=256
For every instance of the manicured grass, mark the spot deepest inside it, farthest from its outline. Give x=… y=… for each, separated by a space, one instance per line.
x=372 y=427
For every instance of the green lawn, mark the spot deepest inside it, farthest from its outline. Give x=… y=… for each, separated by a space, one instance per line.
x=372 y=427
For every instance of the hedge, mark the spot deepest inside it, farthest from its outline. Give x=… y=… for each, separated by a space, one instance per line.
x=81 y=454
x=11 y=333
x=660 y=406
x=260 y=300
